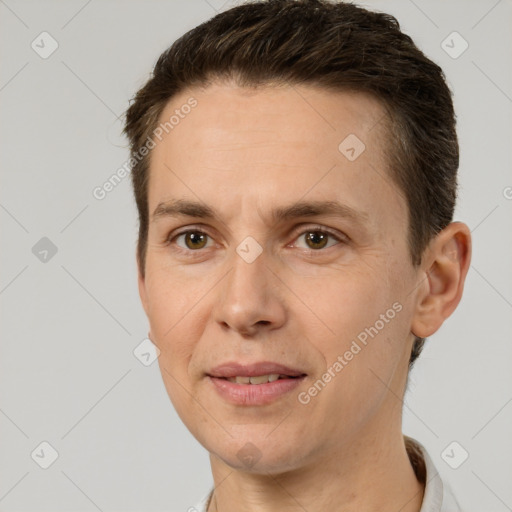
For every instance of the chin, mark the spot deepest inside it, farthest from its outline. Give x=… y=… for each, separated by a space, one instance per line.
x=254 y=451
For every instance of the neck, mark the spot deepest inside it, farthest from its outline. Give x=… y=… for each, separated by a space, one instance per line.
x=368 y=476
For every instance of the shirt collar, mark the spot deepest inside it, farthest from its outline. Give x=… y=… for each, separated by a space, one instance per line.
x=437 y=496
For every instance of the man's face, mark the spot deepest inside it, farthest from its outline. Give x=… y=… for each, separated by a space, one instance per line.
x=295 y=290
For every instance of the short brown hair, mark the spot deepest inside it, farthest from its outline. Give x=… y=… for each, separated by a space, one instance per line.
x=337 y=46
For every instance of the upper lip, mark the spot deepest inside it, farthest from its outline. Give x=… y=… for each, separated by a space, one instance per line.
x=233 y=369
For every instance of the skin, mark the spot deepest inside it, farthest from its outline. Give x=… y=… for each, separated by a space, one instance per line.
x=244 y=151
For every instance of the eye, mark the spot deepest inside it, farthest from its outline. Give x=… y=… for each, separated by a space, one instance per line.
x=316 y=238
x=193 y=239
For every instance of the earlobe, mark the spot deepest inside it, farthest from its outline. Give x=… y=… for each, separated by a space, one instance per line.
x=141 y=281
x=446 y=267
x=142 y=292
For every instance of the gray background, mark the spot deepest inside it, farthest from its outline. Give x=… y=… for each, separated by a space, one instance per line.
x=70 y=323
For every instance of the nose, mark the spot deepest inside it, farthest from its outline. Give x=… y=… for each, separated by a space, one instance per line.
x=250 y=299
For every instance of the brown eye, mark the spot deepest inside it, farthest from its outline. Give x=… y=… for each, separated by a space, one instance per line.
x=316 y=239
x=193 y=240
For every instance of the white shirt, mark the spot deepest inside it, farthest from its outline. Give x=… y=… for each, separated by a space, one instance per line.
x=437 y=497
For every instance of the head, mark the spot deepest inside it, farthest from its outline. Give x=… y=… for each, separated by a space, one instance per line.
x=277 y=104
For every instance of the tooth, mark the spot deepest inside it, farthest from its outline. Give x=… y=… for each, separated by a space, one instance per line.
x=262 y=379
x=259 y=379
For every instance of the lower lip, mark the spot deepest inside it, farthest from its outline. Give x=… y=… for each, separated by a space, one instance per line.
x=254 y=394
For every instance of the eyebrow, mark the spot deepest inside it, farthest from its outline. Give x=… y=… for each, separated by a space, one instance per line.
x=187 y=208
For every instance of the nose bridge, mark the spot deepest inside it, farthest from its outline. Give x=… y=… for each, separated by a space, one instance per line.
x=248 y=296
x=248 y=279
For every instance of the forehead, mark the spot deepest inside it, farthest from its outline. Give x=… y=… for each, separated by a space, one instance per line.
x=273 y=144
x=226 y=113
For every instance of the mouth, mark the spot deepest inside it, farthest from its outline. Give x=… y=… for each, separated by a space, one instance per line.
x=261 y=391
x=254 y=384
x=254 y=373
x=260 y=379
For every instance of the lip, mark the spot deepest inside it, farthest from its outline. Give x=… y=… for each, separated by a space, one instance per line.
x=233 y=369
x=254 y=394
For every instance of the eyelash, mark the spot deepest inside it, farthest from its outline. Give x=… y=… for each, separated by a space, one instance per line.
x=315 y=229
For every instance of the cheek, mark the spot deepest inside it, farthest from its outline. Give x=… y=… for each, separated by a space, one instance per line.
x=345 y=302
x=356 y=319
x=172 y=306
x=174 y=327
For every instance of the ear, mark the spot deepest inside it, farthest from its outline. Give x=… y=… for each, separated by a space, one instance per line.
x=141 y=280
x=446 y=264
